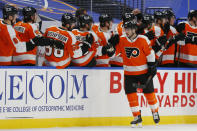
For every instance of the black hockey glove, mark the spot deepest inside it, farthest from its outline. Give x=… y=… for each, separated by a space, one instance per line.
x=30 y=45
x=89 y=39
x=179 y=37
x=150 y=35
x=43 y=41
x=191 y=39
x=114 y=40
x=175 y=39
x=108 y=50
x=152 y=68
x=166 y=28
x=58 y=44
x=160 y=42
x=85 y=48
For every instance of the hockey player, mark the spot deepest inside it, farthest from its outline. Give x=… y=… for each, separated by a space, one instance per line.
x=27 y=29
x=147 y=26
x=103 y=31
x=9 y=40
x=61 y=58
x=127 y=16
x=168 y=58
x=139 y=64
x=187 y=52
x=87 y=38
x=116 y=61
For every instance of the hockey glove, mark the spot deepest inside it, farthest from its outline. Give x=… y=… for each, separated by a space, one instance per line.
x=108 y=50
x=191 y=39
x=58 y=44
x=179 y=37
x=166 y=28
x=85 y=48
x=114 y=40
x=152 y=68
x=175 y=39
x=150 y=35
x=89 y=39
x=160 y=42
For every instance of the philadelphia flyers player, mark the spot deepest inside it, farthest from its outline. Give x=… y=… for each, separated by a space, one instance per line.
x=116 y=61
x=106 y=36
x=61 y=58
x=10 y=41
x=139 y=64
x=85 y=35
x=187 y=52
x=27 y=29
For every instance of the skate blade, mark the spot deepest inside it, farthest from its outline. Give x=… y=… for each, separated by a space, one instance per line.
x=139 y=125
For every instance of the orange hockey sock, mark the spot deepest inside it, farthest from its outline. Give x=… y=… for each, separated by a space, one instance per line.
x=152 y=101
x=133 y=103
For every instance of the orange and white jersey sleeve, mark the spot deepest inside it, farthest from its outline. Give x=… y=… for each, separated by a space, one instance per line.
x=59 y=58
x=9 y=43
x=136 y=54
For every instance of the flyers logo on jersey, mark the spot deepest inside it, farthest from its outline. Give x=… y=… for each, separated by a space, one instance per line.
x=15 y=40
x=132 y=52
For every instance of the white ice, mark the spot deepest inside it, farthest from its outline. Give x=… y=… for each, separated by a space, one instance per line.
x=187 y=127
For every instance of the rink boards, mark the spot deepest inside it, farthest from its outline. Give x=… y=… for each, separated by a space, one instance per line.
x=47 y=97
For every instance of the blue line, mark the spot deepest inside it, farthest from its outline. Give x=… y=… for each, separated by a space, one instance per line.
x=26 y=89
x=67 y=88
x=46 y=85
x=5 y=85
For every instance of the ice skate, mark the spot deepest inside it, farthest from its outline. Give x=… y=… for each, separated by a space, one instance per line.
x=156 y=117
x=137 y=122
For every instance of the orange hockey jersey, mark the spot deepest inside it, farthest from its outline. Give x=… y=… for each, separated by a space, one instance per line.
x=85 y=59
x=136 y=54
x=9 y=43
x=168 y=55
x=61 y=58
x=188 y=53
x=26 y=31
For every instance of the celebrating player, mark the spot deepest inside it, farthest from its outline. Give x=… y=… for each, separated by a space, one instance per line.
x=139 y=64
